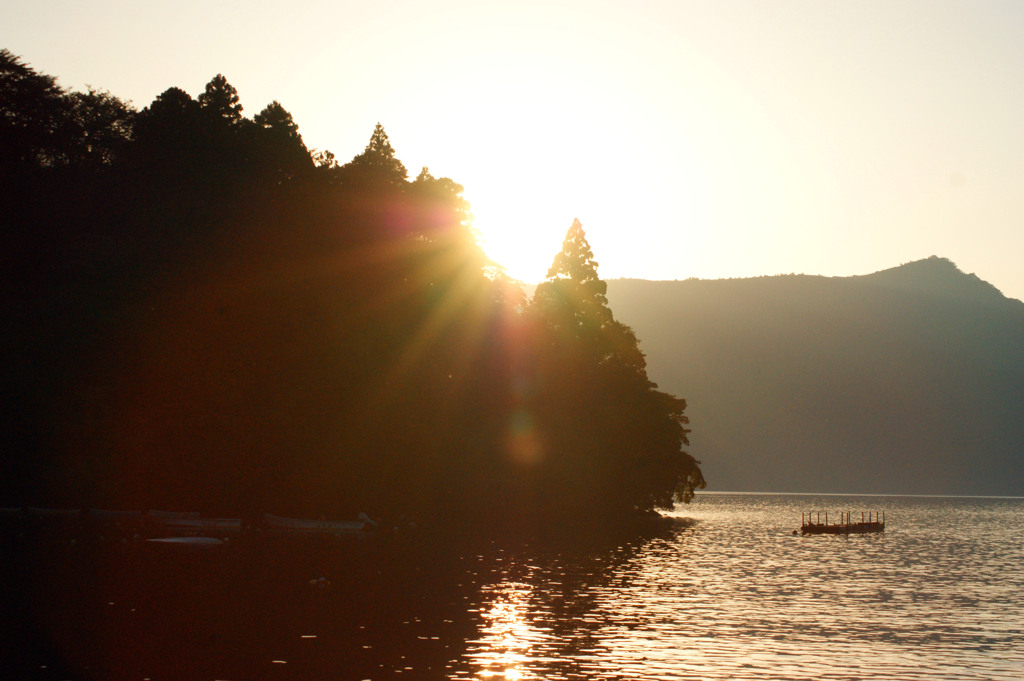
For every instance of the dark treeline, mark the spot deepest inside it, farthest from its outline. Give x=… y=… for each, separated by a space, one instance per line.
x=201 y=313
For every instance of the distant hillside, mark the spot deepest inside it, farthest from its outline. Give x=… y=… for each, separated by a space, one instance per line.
x=909 y=380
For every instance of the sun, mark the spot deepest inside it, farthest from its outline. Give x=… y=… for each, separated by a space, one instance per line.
x=522 y=238
x=533 y=155
x=525 y=149
x=542 y=136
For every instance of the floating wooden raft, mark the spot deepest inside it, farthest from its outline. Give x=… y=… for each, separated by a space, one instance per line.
x=870 y=521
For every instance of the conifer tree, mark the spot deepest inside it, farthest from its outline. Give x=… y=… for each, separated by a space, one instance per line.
x=618 y=438
x=221 y=99
x=276 y=118
x=377 y=165
x=282 y=148
x=573 y=301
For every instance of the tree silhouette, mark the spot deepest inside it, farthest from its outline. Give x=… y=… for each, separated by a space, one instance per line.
x=576 y=262
x=283 y=150
x=102 y=127
x=169 y=134
x=276 y=118
x=205 y=315
x=616 y=438
x=42 y=126
x=220 y=99
x=376 y=166
x=32 y=111
x=440 y=202
x=573 y=297
x=573 y=304
x=173 y=103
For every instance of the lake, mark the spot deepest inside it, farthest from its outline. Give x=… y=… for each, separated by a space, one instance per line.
x=725 y=592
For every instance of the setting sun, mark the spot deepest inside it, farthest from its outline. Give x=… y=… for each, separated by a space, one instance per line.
x=566 y=129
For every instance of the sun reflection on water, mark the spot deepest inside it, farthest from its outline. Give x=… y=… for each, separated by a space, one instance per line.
x=507 y=637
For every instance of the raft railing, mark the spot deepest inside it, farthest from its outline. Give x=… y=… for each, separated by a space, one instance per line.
x=870 y=521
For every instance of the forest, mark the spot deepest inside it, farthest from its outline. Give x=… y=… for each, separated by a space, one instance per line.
x=201 y=313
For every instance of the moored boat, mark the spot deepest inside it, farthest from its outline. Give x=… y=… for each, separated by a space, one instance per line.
x=281 y=524
x=169 y=523
x=187 y=542
x=871 y=522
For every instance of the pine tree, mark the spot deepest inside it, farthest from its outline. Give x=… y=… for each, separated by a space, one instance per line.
x=221 y=99
x=573 y=301
x=617 y=437
x=282 y=148
x=276 y=118
x=377 y=165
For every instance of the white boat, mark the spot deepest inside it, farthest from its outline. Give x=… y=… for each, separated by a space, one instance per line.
x=300 y=526
x=192 y=542
x=193 y=525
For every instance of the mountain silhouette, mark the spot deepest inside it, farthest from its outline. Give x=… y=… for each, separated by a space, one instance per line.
x=905 y=381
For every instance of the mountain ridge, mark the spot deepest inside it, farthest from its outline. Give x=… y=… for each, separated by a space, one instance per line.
x=907 y=380
x=938 y=276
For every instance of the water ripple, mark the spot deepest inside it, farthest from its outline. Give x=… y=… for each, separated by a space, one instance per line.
x=939 y=595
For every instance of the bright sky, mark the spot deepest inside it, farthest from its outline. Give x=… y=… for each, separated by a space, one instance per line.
x=692 y=139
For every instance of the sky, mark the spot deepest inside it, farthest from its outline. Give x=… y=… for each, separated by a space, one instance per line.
x=692 y=139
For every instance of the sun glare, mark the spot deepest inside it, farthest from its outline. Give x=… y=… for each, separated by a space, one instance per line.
x=528 y=150
x=533 y=164
x=524 y=242
x=543 y=135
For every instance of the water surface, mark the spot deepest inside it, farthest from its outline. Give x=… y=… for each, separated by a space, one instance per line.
x=725 y=592
x=939 y=595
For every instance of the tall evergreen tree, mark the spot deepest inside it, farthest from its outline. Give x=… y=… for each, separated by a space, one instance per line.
x=282 y=148
x=573 y=292
x=576 y=261
x=276 y=118
x=617 y=437
x=172 y=102
x=574 y=303
x=169 y=130
x=377 y=165
x=221 y=100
